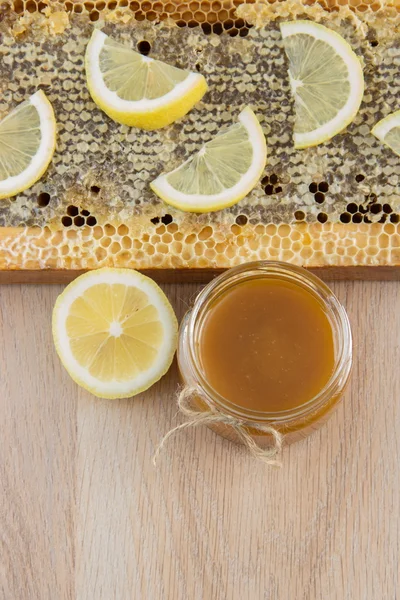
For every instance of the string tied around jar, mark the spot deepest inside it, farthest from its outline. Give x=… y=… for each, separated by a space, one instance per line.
x=186 y=398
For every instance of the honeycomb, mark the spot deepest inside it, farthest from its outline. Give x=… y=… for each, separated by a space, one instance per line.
x=335 y=204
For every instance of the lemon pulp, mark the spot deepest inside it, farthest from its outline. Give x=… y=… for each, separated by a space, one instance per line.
x=223 y=172
x=114 y=331
x=326 y=79
x=137 y=90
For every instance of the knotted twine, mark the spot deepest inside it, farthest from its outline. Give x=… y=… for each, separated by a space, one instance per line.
x=186 y=402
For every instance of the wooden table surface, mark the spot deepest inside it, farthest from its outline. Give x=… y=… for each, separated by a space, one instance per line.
x=85 y=515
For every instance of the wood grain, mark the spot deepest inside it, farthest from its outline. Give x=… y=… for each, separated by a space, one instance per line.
x=64 y=276
x=85 y=515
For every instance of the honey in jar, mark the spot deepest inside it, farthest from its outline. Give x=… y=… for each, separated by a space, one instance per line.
x=267 y=343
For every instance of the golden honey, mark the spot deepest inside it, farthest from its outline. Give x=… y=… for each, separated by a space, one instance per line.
x=269 y=344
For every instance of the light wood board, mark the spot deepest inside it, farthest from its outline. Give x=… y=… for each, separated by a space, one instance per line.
x=86 y=516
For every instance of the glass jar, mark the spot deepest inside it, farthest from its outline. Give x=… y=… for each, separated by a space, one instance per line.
x=296 y=422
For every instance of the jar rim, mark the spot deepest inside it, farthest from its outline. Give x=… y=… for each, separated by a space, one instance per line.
x=338 y=318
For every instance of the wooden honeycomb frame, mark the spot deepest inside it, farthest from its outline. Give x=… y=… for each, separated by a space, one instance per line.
x=169 y=248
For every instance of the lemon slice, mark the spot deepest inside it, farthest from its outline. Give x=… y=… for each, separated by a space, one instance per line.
x=326 y=78
x=388 y=131
x=223 y=172
x=27 y=144
x=137 y=90
x=115 y=332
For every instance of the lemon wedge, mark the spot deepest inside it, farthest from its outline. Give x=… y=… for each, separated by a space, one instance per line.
x=137 y=90
x=388 y=131
x=115 y=332
x=326 y=79
x=27 y=144
x=222 y=173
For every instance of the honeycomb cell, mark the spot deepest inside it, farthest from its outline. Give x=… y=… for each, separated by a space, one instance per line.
x=270 y=229
x=18 y=6
x=176 y=247
x=269 y=189
x=109 y=229
x=205 y=233
x=144 y=47
x=166 y=219
x=241 y=220
x=98 y=232
x=91 y=221
x=101 y=254
x=115 y=248
x=284 y=231
x=30 y=6
x=126 y=242
x=299 y=215
x=376 y=209
x=43 y=199
x=123 y=230
x=191 y=238
x=352 y=208
x=323 y=187
x=273 y=179
x=66 y=221
x=384 y=240
x=79 y=221
x=72 y=210
x=71 y=234
x=172 y=228
x=46 y=233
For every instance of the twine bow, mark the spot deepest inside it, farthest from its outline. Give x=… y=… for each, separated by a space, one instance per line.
x=270 y=455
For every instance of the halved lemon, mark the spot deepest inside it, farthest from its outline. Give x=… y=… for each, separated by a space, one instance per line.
x=326 y=78
x=115 y=332
x=222 y=173
x=27 y=144
x=387 y=130
x=137 y=90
